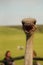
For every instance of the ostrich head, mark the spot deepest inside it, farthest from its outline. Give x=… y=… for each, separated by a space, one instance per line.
x=29 y=25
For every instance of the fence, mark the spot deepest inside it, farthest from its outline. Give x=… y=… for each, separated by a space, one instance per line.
x=22 y=57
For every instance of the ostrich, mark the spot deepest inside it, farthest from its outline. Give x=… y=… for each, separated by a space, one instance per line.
x=29 y=26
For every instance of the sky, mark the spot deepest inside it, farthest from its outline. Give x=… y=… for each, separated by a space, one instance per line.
x=13 y=11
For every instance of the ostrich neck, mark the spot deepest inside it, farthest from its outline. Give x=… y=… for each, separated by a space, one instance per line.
x=29 y=50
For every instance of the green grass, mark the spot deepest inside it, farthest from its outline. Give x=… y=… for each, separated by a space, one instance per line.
x=11 y=37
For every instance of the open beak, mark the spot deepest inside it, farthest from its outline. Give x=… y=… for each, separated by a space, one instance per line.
x=28 y=28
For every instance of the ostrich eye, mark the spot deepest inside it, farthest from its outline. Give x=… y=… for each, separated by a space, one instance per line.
x=34 y=22
x=22 y=22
